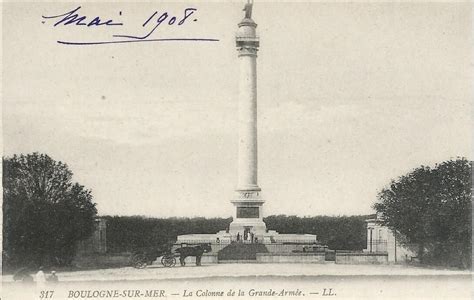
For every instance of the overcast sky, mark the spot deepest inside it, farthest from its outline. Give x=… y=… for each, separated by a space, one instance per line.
x=349 y=97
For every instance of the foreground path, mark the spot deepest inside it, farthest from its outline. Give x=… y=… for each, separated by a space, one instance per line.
x=253 y=281
x=158 y=272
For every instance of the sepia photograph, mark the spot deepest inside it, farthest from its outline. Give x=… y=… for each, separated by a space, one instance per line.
x=238 y=149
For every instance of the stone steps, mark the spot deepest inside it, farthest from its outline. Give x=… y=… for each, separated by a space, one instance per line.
x=241 y=251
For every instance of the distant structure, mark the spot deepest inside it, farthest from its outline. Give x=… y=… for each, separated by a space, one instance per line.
x=97 y=242
x=380 y=239
x=247 y=225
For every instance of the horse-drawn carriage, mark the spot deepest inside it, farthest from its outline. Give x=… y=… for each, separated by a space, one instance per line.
x=141 y=259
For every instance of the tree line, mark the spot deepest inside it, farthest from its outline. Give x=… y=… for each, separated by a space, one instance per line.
x=128 y=234
x=132 y=233
x=336 y=232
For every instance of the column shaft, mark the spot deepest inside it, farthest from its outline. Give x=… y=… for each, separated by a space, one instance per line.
x=248 y=161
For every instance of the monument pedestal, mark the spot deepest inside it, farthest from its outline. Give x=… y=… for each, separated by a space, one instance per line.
x=248 y=215
x=257 y=227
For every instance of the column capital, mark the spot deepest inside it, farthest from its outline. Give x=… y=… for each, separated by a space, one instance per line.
x=248 y=51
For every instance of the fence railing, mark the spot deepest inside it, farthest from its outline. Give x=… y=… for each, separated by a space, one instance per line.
x=377 y=246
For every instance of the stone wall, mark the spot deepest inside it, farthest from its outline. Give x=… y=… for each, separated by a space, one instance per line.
x=361 y=258
x=102 y=261
x=290 y=257
x=207 y=258
x=284 y=248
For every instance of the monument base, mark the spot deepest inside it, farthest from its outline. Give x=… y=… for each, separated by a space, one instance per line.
x=272 y=239
x=242 y=226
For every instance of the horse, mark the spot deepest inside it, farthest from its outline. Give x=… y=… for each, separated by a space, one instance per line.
x=193 y=251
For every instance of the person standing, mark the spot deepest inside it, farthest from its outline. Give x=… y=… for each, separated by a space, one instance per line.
x=40 y=278
x=53 y=277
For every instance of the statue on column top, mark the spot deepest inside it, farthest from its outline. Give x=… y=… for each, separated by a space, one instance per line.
x=248 y=9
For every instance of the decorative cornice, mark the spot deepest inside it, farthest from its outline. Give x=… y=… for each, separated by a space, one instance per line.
x=247 y=51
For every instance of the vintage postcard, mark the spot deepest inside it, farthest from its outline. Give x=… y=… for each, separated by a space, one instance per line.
x=236 y=150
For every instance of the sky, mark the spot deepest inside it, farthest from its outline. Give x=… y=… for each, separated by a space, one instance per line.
x=350 y=96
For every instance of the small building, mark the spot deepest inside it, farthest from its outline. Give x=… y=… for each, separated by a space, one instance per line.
x=380 y=239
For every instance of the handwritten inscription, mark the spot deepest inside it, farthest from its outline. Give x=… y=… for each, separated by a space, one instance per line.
x=153 y=21
x=170 y=20
x=71 y=17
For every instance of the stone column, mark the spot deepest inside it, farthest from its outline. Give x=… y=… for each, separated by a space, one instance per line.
x=247 y=44
x=248 y=200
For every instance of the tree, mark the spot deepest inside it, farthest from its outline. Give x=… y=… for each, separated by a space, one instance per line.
x=45 y=213
x=431 y=207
